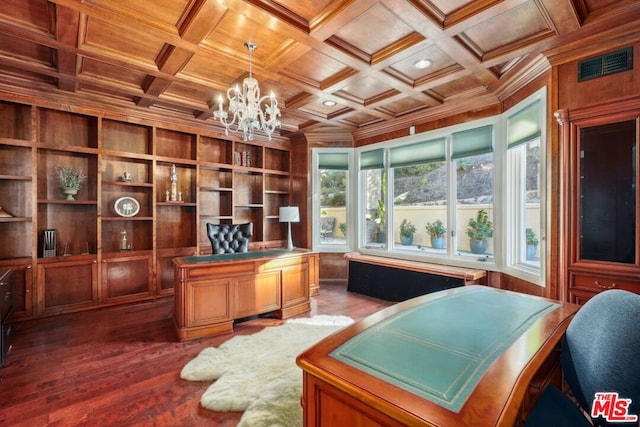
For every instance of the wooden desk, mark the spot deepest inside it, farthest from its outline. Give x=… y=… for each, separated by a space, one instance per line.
x=425 y=361
x=211 y=291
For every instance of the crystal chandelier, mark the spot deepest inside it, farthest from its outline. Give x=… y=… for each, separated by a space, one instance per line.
x=246 y=106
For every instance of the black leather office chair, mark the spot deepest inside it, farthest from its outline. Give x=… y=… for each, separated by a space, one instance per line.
x=229 y=238
x=600 y=354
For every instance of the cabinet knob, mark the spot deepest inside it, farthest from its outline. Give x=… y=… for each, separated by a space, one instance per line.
x=604 y=287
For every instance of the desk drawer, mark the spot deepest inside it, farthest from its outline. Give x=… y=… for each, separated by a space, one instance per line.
x=584 y=286
x=602 y=283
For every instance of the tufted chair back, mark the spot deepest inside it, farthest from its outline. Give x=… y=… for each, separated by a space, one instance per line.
x=229 y=238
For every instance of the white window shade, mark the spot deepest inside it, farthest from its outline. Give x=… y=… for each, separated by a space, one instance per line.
x=472 y=142
x=373 y=159
x=524 y=126
x=333 y=161
x=418 y=153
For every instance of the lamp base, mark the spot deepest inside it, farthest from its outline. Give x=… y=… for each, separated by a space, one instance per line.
x=289 y=240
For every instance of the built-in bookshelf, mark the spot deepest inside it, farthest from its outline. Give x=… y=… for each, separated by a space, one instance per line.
x=177 y=182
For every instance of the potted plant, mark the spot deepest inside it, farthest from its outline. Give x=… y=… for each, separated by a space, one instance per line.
x=532 y=244
x=70 y=180
x=479 y=230
x=379 y=222
x=343 y=228
x=407 y=230
x=436 y=230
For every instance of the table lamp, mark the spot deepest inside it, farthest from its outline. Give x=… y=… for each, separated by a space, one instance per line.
x=289 y=214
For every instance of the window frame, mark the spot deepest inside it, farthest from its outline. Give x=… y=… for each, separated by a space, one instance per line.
x=316 y=241
x=514 y=264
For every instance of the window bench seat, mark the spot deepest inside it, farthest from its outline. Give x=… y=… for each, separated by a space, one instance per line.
x=398 y=280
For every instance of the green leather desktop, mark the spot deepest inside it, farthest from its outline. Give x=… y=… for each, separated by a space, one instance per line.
x=441 y=349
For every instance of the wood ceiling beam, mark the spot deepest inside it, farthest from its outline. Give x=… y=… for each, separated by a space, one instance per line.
x=67 y=28
x=562 y=13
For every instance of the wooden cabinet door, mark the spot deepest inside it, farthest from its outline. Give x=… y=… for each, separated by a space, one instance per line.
x=257 y=294
x=129 y=278
x=22 y=288
x=295 y=285
x=67 y=285
x=210 y=302
x=601 y=217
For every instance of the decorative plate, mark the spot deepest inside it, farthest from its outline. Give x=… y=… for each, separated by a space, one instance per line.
x=127 y=206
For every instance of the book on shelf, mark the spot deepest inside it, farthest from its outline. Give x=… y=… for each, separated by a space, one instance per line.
x=243 y=158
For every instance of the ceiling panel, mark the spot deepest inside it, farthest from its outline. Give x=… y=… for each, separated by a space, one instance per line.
x=234 y=30
x=169 y=12
x=126 y=46
x=457 y=86
x=314 y=68
x=33 y=14
x=360 y=119
x=374 y=30
x=439 y=61
x=515 y=25
x=305 y=9
x=404 y=105
x=448 y=6
x=25 y=50
x=363 y=89
x=119 y=75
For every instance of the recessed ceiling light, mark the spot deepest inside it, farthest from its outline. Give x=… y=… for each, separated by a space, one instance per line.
x=422 y=64
x=329 y=103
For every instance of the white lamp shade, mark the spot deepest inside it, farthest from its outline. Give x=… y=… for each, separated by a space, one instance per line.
x=289 y=214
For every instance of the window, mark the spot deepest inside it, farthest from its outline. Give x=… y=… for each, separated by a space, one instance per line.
x=470 y=193
x=525 y=188
x=373 y=177
x=472 y=158
x=420 y=196
x=331 y=190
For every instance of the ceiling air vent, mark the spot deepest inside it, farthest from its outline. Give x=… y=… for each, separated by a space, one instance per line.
x=603 y=65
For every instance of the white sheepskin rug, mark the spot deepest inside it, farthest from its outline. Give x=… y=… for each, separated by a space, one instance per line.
x=258 y=374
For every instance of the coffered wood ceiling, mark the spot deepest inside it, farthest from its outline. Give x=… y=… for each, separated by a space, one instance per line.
x=177 y=56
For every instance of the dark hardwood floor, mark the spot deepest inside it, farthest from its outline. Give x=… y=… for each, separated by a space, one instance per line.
x=121 y=366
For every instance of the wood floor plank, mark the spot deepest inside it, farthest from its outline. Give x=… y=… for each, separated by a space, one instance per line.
x=121 y=365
